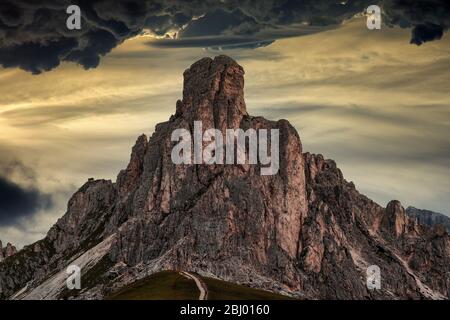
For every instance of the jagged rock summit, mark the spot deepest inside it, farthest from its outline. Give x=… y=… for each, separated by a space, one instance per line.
x=428 y=217
x=304 y=232
x=6 y=252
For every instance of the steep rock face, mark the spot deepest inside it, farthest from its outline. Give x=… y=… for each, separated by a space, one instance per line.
x=87 y=212
x=304 y=231
x=79 y=229
x=429 y=218
x=10 y=250
x=129 y=178
x=345 y=233
x=216 y=215
x=6 y=252
x=394 y=220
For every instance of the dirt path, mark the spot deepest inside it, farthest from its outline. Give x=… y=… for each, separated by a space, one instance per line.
x=200 y=284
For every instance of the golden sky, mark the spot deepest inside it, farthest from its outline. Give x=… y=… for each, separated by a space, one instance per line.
x=371 y=101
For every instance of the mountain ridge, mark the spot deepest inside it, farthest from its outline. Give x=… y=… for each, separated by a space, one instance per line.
x=428 y=217
x=304 y=232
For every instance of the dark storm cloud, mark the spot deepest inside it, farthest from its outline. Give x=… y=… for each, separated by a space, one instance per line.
x=33 y=34
x=18 y=201
x=426 y=32
x=428 y=18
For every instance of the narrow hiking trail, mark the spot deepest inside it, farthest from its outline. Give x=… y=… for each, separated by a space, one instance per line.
x=200 y=284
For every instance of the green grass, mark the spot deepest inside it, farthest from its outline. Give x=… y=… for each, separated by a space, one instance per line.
x=222 y=290
x=170 y=285
x=165 y=285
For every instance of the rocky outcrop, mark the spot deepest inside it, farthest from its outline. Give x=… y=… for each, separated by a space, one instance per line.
x=429 y=218
x=6 y=252
x=304 y=231
x=346 y=232
x=10 y=250
x=216 y=215
x=394 y=220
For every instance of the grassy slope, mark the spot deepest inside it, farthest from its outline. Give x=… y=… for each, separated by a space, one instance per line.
x=165 y=285
x=170 y=285
x=222 y=290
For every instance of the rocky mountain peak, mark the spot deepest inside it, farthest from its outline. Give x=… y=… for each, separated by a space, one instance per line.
x=213 y=92
x=128 y=177
x=395 y=219
x=8 y=251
